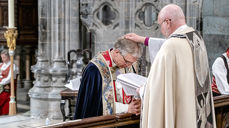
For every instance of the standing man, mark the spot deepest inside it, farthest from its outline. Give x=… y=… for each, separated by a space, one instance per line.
x=178 y=92
x=5 y=77
x=98 y=93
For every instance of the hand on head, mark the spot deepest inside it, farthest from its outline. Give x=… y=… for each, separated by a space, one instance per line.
x=134 y=37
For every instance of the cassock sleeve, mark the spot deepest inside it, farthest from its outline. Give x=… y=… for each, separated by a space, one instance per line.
x=89 y=100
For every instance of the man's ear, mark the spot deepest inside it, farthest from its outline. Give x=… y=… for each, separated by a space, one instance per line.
x=116 y=51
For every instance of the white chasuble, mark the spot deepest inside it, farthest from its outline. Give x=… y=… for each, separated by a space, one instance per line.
x=172 y=98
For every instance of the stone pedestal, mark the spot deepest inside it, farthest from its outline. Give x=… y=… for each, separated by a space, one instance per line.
x=39 y=102
x=58 y=73
x=39 y=94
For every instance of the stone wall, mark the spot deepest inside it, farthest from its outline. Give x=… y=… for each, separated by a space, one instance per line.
x=215 y=27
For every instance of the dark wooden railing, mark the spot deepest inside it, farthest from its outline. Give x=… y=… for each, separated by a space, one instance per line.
x=101 y=122
x=221 y=104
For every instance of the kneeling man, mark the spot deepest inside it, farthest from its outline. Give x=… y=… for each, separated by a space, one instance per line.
x=98 y=94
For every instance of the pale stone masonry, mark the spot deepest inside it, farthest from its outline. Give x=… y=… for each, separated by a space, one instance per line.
x=58 y=33
x=215 y=27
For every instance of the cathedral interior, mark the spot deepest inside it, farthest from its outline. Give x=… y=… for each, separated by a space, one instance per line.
x=49 y=29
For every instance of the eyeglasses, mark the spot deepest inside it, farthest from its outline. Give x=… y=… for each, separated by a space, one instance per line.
x=164 y=21
x=127 y=61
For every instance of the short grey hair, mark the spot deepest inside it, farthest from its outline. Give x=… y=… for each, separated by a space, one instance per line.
x=126 y=46
x=5 y=52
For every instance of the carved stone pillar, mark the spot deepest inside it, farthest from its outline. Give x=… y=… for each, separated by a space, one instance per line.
x=58 y=33
x=39 y=94
x=39 y=101
x=65 y=26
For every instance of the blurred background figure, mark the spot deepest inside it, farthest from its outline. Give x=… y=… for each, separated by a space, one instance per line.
x=220 y=80
x=5 y=77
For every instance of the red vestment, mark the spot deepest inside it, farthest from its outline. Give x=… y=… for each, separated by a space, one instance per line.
x=4 y=95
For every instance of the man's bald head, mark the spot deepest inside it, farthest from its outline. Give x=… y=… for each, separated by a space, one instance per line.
x=173 y=12
x=173 y=15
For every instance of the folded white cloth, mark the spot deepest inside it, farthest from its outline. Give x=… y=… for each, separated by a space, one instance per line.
x=74 y=84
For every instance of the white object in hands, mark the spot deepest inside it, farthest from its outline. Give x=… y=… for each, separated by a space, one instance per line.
x=74 y=84
x=130 y=82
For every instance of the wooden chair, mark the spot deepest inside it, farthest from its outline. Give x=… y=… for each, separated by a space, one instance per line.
x=67 y=95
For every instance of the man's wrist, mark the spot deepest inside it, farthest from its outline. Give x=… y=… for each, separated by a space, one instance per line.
x=146 y=41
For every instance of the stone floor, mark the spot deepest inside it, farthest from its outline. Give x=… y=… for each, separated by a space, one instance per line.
x=24 y=121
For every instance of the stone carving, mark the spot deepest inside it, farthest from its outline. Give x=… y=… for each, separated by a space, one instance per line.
x=99 y=15
x=77 y=62
x=146 y=15
x=106 y=14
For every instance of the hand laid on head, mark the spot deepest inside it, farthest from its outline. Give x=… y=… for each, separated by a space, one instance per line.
x=135 y=106
x=134 y=37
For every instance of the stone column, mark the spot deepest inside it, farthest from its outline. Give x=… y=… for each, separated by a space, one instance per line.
x=39 y=94
x=58 y=33
x=18 y=63
x=27 y=81
x=21 y=91
x=193 y=13
x=64 y=37
x=20 y=88
x=58 y=68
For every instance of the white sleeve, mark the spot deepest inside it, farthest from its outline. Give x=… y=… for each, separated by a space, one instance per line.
x=141 y=92
x=154 y=46
x=8 y=78
x=220 y=73
x=121 y=108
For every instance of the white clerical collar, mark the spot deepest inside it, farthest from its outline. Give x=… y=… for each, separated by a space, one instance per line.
x=179 y=29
